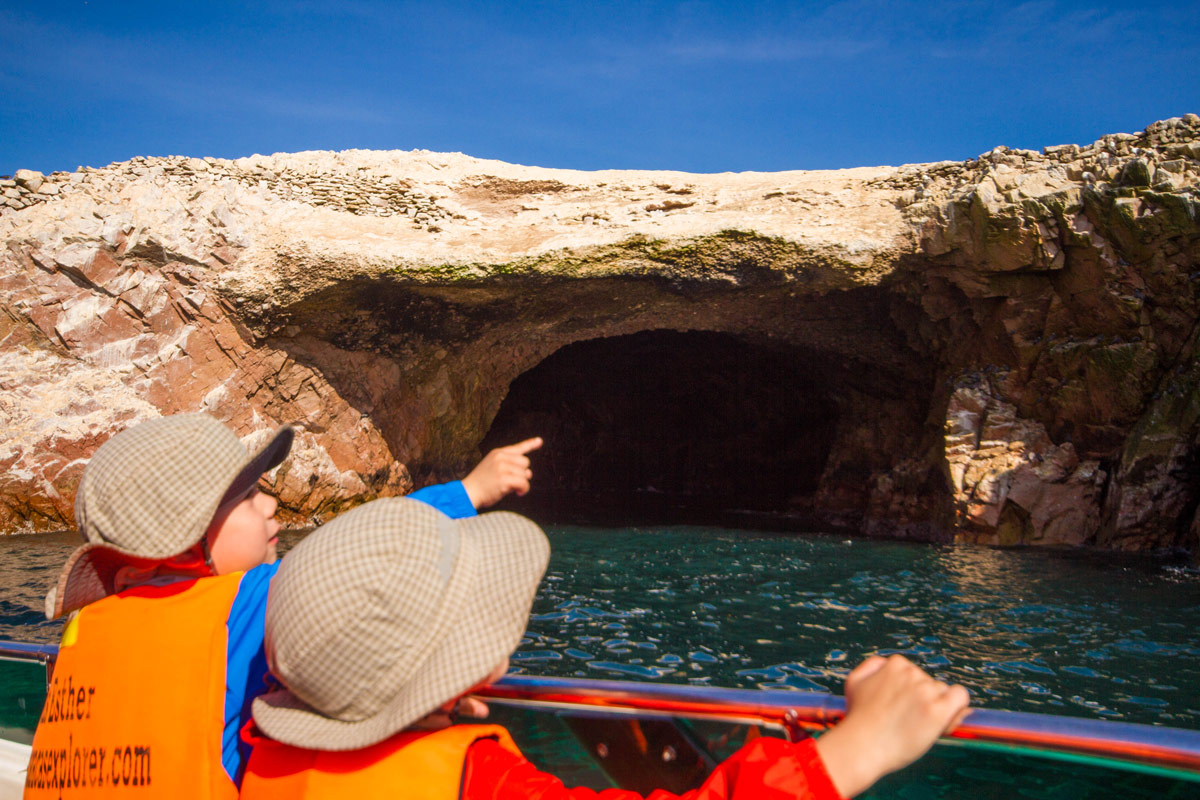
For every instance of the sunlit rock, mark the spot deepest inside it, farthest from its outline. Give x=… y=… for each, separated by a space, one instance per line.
x=1000 y=350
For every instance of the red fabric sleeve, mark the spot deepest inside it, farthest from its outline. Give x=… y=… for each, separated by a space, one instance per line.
x=765 y=769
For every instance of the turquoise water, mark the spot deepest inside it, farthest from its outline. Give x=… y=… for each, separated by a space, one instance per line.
x=1080 y=634
x=1027 y=630
x=1062 y=633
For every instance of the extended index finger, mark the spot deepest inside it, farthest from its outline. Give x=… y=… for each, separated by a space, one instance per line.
x=527 y=446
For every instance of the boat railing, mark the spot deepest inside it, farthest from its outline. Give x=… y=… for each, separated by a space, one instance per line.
x=1172 y=752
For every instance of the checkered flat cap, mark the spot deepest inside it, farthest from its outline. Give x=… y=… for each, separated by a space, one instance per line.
x=389 y=611
x=150 y=492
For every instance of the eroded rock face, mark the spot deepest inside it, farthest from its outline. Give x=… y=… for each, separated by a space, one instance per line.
x=1002 y=350
x=1016 y=485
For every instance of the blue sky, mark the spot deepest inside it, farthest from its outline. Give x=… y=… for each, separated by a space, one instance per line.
x=703 y=86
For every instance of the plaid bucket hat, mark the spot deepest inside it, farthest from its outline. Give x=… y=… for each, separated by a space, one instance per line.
x=392 y=609
x=150 y=492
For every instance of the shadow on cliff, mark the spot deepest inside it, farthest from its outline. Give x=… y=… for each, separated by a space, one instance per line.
x=658 y=402
x=703 y=427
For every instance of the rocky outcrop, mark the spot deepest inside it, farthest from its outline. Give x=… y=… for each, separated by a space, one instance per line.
x=1002 y=350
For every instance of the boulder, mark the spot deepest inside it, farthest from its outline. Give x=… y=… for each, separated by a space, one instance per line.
x=30 y=179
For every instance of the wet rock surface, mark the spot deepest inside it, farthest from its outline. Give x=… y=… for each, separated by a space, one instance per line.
x=1002 y=350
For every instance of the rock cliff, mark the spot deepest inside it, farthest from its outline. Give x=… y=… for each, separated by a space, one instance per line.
x=1003 y=350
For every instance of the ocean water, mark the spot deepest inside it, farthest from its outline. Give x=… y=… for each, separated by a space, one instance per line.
x=1055 y=632
x=1070 y=633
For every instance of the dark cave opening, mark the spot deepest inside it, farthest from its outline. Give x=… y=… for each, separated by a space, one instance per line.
x=667 y=426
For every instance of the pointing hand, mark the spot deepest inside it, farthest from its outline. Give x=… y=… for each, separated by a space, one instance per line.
x=501 y=472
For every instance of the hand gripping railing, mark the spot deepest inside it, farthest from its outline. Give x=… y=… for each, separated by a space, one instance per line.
x=1145 y=748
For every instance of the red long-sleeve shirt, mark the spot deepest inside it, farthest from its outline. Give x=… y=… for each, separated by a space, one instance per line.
x=765 y=769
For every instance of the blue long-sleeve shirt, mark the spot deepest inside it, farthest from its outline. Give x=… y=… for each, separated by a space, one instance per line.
x=246 y=659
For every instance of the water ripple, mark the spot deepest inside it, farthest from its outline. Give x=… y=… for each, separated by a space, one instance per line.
x=1028 y=630
x=1022 y=630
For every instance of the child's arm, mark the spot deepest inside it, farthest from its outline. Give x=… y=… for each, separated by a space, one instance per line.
x=895 y=714
x=449 y=498
x=501 y=472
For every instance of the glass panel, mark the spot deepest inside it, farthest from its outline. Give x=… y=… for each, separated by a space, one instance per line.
x=547 y=742
x=956 y=772
x=723 y=739
x=946 y=772
x=21 y=700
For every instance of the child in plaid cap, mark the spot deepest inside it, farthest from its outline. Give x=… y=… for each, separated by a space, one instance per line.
x=157 y=670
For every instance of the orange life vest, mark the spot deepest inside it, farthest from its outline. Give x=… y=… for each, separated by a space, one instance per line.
x=426 y=765
x=135 y=706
